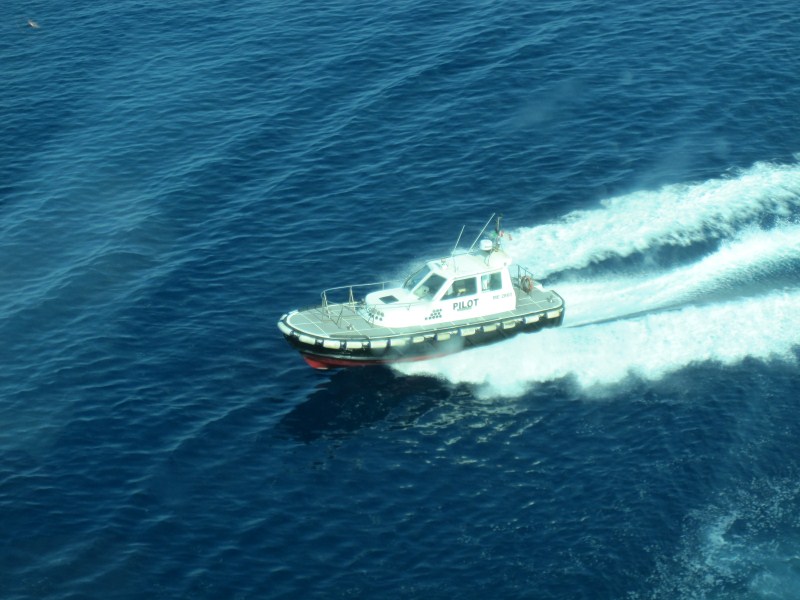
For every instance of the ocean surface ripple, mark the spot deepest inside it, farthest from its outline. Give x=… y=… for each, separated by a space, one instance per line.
x=173 y=178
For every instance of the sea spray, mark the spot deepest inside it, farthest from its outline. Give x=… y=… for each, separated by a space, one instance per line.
x=648 y=347
x=728 y=305
x=752 y=257
x=675 y=215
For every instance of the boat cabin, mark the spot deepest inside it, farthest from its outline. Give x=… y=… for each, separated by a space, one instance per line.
x=456 y=288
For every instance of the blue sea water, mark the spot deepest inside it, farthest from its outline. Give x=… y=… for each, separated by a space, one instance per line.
x=175 y=177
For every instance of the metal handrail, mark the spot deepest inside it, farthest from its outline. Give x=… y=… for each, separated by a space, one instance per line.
x=379 y=285
x=522 y=272
x=350 y=301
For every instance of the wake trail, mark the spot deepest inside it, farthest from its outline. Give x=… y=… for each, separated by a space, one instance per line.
x=740 y=264
x=649 y=347
x=740 y=301
x=675 y=215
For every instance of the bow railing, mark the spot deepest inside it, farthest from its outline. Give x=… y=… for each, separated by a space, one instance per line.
x=336 y=300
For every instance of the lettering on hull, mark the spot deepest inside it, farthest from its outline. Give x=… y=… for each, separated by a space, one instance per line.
x=465 y=304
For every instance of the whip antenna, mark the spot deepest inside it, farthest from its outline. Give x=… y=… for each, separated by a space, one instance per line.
x=481 y=233
x=458 y=240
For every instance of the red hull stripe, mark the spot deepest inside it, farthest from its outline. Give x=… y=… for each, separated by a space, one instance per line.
x=327 y=362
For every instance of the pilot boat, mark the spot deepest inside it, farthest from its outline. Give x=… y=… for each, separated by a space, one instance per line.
x=450 y=304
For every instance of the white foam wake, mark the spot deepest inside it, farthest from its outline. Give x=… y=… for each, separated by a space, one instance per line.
x=677 y=215
x=723 y=308
x=649 y=347
x=738 y=264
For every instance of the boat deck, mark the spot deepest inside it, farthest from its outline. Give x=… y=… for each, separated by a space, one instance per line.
x=343 y=321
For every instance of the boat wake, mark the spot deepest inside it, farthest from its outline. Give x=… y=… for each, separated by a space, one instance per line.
x=729 y=293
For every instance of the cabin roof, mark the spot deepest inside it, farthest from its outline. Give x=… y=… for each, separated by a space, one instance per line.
x=475 y=263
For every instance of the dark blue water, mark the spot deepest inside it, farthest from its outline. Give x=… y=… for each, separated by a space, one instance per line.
x=174 y=178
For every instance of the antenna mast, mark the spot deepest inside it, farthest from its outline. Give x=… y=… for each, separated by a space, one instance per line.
x=458 y=240
x=481 y=233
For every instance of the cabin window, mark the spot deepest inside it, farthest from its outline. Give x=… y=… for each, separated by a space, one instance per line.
x=429 y=288
x=462 y=287
x=491 y=282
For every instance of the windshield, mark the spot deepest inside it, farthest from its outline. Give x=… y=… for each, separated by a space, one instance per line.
x=424 y=283
x=416 y=278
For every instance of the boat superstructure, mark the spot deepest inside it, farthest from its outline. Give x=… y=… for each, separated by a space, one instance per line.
x=450 y=304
